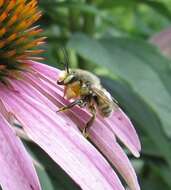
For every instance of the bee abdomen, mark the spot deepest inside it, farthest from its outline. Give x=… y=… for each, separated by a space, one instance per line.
x=105 y=110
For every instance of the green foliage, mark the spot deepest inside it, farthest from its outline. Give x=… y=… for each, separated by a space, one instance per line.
x=110 y=38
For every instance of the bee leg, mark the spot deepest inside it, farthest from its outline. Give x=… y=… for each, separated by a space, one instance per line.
x=89 y=123
x=72 y=104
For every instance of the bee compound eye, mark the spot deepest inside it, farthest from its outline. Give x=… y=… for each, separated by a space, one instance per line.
x=81 y=101
x=60 y=82
x=70 y=79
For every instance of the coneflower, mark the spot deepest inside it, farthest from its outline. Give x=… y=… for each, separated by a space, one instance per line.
x=29 y=93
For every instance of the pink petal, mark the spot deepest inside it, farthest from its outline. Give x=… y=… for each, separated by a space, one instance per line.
x=63 y=143
x=102 y=137
x=17 y=171
x=99 y=133
x=162 y=38
x=46 y=70
x=115 y=154
x=163 y=41
x=121 y=125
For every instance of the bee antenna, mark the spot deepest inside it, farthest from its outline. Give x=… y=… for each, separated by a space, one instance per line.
x=66 y=62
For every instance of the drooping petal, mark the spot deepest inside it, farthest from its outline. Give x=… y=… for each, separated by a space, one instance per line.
x=115 y=154
x=17 y=171
x=99 y=133
x=63 y=143
x=121 y=125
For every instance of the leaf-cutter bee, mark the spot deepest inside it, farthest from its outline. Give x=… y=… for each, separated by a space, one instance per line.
x=86 y=91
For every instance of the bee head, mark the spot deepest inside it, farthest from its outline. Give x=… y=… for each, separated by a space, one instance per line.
x=66 y=77
x=71 y=84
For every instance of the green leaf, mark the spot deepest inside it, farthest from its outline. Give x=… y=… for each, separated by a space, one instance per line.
x=131 y=102
x=44 y=178
x=143 y=118
x=155 y=176
x=74 y=5
x=148 y=73
x=160 y=7
x=109 y=4
x=149 y=148
x=153 y=184
x=163 y=172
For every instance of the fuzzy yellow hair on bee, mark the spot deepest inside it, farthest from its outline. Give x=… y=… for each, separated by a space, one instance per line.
x=85 y=89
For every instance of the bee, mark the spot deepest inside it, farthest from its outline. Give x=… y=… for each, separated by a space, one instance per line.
x=86 y=90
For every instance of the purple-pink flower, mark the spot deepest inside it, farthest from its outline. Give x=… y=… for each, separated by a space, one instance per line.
x=163 y=40
x=29 y=95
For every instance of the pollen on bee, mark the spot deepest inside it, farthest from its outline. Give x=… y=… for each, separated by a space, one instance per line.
x=72 y=90
x=69 y=93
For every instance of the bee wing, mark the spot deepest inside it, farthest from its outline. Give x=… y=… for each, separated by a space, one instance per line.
x=105 y=96
x=115 y=101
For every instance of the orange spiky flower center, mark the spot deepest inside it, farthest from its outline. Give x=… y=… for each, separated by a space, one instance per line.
x=18 y=37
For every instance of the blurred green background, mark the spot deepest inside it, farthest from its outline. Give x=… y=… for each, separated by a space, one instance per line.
x=110 y=38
